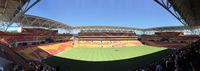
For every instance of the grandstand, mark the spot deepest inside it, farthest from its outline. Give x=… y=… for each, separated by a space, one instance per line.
x=169 y=39
x=37 y=44
x=106 y=39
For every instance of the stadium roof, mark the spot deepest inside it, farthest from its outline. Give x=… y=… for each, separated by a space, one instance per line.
x=172 y=28
x=140 y=29
x=36 y=21
x=186 y=11
x=12 y=10
x=9 y=8
x=105 y=27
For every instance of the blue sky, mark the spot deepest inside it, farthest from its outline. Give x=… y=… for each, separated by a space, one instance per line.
x=128 y=13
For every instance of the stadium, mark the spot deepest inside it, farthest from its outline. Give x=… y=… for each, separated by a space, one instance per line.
x=37 y=45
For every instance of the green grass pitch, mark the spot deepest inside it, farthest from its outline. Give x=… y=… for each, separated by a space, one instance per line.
x=108 y=54
x=106 y=59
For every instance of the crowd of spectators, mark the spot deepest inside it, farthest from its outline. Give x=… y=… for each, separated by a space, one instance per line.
x=38 y=66
x=185 y=59
x=34 y=66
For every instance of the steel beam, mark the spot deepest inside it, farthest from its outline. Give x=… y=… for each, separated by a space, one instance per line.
x=21 y=13
x=169 y=7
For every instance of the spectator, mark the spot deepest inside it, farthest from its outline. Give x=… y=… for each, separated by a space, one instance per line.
x=159 y=67
x=178 y=68
x=186 y=59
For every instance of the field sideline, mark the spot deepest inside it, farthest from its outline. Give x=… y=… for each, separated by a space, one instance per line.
x=106 y=59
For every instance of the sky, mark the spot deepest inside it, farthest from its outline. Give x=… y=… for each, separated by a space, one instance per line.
x=126 y=13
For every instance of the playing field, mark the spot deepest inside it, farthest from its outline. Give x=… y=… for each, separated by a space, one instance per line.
x=108 y=54
x=106 y=59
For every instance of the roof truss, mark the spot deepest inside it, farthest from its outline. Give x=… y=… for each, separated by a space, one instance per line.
x=11 y=10
x=186 y=11
x=35 y=21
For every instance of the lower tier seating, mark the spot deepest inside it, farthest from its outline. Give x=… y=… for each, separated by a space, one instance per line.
x=105 y=44
x=39 y=52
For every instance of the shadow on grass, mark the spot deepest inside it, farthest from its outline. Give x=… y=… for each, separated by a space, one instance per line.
x=118 y=65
